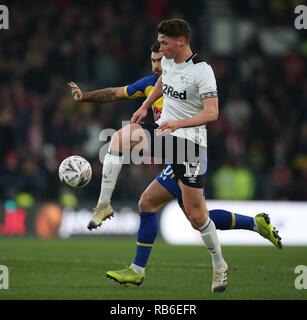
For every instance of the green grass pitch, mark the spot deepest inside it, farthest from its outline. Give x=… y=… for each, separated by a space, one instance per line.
x=75 y=269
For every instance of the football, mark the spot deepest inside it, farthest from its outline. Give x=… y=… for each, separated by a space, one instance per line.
x=75 y=172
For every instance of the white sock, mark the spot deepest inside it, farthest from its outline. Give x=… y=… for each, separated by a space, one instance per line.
x=210 y=238
x=112 y=165
x=137 y=268
x=255 y=226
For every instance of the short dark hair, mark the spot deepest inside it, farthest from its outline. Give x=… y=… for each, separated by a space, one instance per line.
x=155 y=47
x=174 y=28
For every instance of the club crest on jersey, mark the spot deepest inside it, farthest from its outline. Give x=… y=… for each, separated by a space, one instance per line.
x=184 y=80
x=170 y=91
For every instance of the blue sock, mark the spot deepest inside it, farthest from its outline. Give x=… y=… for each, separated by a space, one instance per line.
x=226 y=220
x=146 y=237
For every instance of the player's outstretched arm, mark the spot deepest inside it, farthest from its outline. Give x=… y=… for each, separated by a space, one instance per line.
x=155 y=94
x=99 y=96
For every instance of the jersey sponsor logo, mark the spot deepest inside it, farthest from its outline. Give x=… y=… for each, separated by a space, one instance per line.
x=170 y=91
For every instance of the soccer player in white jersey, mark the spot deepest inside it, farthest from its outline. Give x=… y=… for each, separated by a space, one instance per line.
x=165 y=186
x=190 y=102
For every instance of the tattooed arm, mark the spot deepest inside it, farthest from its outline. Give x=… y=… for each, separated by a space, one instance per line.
x=100 y=96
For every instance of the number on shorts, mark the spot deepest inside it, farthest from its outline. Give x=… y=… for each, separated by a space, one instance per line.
x=188 y=166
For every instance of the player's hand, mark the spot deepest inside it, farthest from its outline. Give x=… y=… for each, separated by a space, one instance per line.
x=139 y=115
x=167 y=127
x=75 y=91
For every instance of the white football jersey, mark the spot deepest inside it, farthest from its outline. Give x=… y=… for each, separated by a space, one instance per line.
x=184 y=86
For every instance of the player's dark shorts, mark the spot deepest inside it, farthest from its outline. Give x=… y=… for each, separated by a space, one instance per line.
x=188 y=160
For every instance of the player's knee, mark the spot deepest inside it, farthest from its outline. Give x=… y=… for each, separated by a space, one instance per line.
x=197 y=217
x=138 y=137
x=146 y=204
x=126 y=134
x=116 y=141
x=123 y=138
x=197 y=222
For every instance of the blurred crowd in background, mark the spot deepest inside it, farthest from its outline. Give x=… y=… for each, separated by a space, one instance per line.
x=256 y=150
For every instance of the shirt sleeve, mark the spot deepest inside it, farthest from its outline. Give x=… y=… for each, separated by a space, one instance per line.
x=136 y=89
x=205 y=81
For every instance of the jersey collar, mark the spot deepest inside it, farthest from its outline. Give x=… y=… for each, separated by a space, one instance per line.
x=191 y=57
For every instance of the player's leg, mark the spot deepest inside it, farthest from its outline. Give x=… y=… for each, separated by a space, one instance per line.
x=123 y=140
x=151 y=201
x=226 y=220
x=223 y=219
x=190 y=165
x=194 y=204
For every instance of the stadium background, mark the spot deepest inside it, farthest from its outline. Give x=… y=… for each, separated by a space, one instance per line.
x=257 y=149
